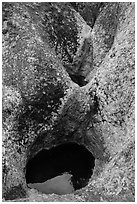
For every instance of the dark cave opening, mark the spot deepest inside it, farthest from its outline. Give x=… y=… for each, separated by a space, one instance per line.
x=61 y=169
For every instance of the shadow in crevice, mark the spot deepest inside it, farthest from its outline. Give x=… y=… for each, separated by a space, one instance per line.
x=50 y=169
x=78 y=79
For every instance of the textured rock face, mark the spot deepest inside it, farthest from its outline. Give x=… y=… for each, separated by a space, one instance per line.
x=43 y=107
x=36 y=94
x=104 y=32
x=67 y=33
x=88 y=10
x=114 y=85
x=114 y=80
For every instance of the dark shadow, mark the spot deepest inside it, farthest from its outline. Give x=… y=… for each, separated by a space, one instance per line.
x=72 y=158
x=78 y=79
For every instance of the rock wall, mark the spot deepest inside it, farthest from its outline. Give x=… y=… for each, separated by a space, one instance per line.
x=44 y=105
x=114 y=84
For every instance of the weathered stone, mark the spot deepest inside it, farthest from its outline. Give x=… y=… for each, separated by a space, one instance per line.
x=114 y=84
x=88 y=10
x=70 y=37
x=42 y=107
x=37 y=95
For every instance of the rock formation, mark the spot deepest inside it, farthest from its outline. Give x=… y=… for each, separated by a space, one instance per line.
x=69 y=77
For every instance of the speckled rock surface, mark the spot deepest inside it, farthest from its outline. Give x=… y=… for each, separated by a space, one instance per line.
x=43 y=107
x=67 y=33
x=114 y=84
x=36 y=89
x=88 y=10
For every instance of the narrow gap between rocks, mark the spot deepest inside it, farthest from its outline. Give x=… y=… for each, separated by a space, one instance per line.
x=61 y=169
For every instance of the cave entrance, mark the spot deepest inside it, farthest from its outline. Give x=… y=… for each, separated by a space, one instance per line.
x=61 y=169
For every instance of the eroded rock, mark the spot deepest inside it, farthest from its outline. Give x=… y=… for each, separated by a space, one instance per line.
x=38 y=94
x=43 y=107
